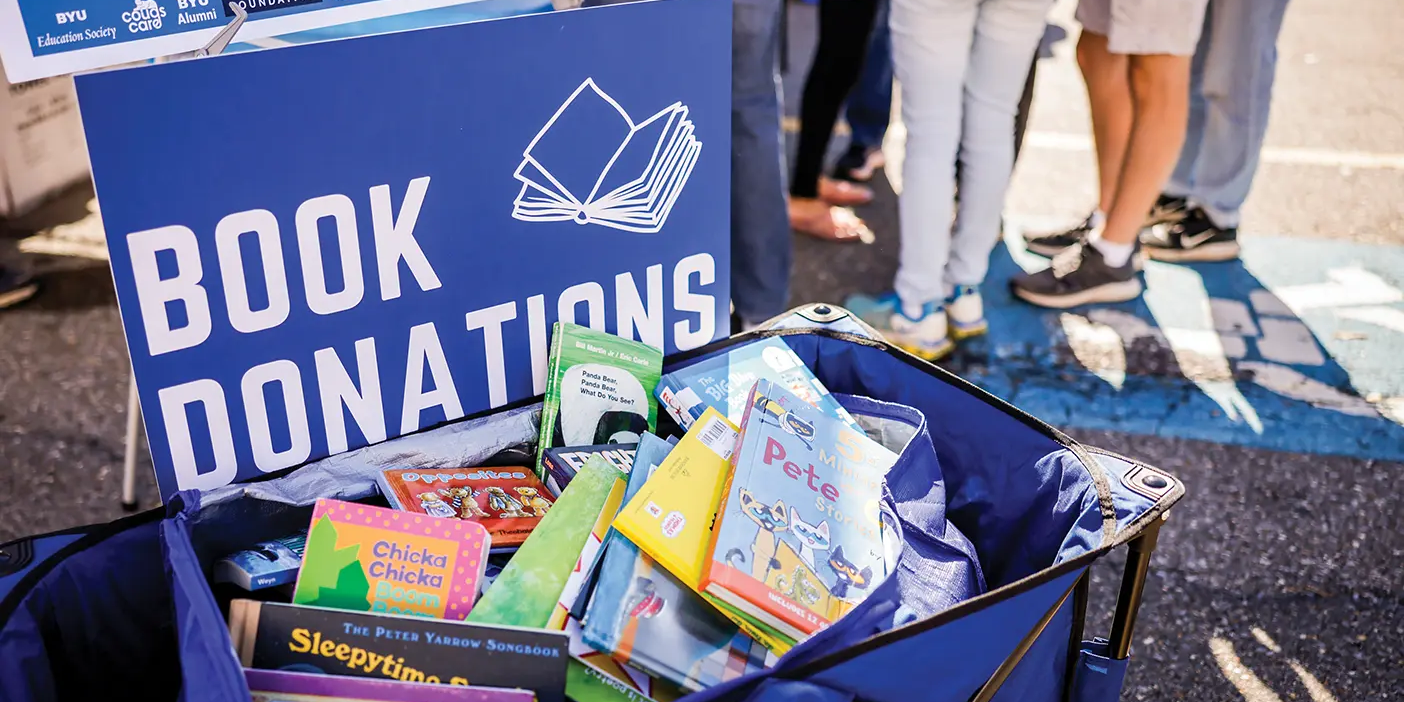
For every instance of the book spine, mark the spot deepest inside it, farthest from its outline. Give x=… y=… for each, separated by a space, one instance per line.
x=772 y=640
x=550 y=406
x=667 y=393
x=768 y=600
x=736 y=464
x=661 y=673
x=585 y=683
x=389 y=491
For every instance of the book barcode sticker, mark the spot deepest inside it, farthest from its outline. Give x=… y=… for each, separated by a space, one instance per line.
x=718 y=437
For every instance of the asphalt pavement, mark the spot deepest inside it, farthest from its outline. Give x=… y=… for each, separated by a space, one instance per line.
x=1278 y=578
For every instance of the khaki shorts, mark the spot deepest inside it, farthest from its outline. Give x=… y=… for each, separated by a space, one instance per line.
x=1145 y=26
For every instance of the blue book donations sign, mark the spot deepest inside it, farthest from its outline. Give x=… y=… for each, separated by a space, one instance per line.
x=320 y=247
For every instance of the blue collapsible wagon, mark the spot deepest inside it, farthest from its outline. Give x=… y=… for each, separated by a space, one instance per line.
x=124 y=609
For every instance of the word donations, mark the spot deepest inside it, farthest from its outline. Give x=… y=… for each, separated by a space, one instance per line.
x=352 y=271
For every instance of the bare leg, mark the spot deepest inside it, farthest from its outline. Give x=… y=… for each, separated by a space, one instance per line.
x=1109 y=95
x=1160 y=86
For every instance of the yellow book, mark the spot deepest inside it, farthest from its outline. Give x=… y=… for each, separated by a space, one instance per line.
x=670 y=518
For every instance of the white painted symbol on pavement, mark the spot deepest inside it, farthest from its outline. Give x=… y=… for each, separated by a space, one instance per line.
x=1249 y=685
x=1205 y=333
x=1347 y=286
x=1290 y=383
x=1387 y=317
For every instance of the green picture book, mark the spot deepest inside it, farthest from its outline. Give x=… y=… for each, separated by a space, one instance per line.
x=528 y=589
x=599 y=390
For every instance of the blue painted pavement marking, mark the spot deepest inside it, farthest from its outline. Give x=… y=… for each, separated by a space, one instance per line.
x=1295 y=348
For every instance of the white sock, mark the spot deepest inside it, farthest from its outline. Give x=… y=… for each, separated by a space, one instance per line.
x=1115 y=254
x=1098 y=219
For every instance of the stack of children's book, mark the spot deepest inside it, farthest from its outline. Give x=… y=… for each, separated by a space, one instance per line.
x=620 y=566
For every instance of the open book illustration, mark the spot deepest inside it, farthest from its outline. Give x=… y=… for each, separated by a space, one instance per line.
x=592 y=164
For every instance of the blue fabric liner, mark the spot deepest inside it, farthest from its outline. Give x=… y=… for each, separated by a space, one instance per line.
x=100 y=621
x=984 y=500
x=43 y=547
x=1098 y=678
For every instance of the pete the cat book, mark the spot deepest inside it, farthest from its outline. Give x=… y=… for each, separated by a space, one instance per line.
x=371 y=559
x=798 y=539
x=509 y=502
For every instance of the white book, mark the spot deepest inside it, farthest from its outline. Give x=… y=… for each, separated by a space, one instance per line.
x=593 y=165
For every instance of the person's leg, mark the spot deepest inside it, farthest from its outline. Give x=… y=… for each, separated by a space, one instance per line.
x=1160 y=84
x=844 y=28
x=1005 y=39
x=1181 y=183
x=1159 y=36
x=760 y=232
x=1239 y=60
x=931 y=41
x=1105 y=75
x=869 y=108
x=1109 y=96
x=1238 y=76
x=1021 y=118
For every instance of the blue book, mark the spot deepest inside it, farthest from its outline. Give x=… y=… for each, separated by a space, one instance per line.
x=267 y=564
x=644 y=617
x=798 y=539
x=725 y=379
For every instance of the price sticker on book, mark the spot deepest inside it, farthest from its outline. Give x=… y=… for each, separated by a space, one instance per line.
x=718 y=436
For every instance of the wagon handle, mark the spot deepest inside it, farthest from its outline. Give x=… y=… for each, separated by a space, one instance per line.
x=1133 y=585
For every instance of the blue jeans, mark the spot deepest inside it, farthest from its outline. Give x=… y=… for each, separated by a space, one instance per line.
x=760 y=222
x=1230 y=93
x=870 y=104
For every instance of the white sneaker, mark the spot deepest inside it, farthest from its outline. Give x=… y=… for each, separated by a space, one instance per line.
x=966 y=310
x=925 y=334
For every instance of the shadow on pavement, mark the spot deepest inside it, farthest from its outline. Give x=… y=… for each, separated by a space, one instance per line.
x=1211 y=352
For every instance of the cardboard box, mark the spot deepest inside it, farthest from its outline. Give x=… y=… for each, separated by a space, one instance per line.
x=41 y=142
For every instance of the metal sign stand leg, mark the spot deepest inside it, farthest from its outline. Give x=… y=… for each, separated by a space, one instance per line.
x=215 y=46
x=129 y=501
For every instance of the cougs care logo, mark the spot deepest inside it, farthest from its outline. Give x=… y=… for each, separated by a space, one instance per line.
x=145 y=17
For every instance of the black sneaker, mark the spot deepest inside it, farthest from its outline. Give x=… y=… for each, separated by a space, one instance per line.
x=1167 y=210
x=15 y=287
x=1078 y=276
x=1051 y=244
x=1193 y=238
